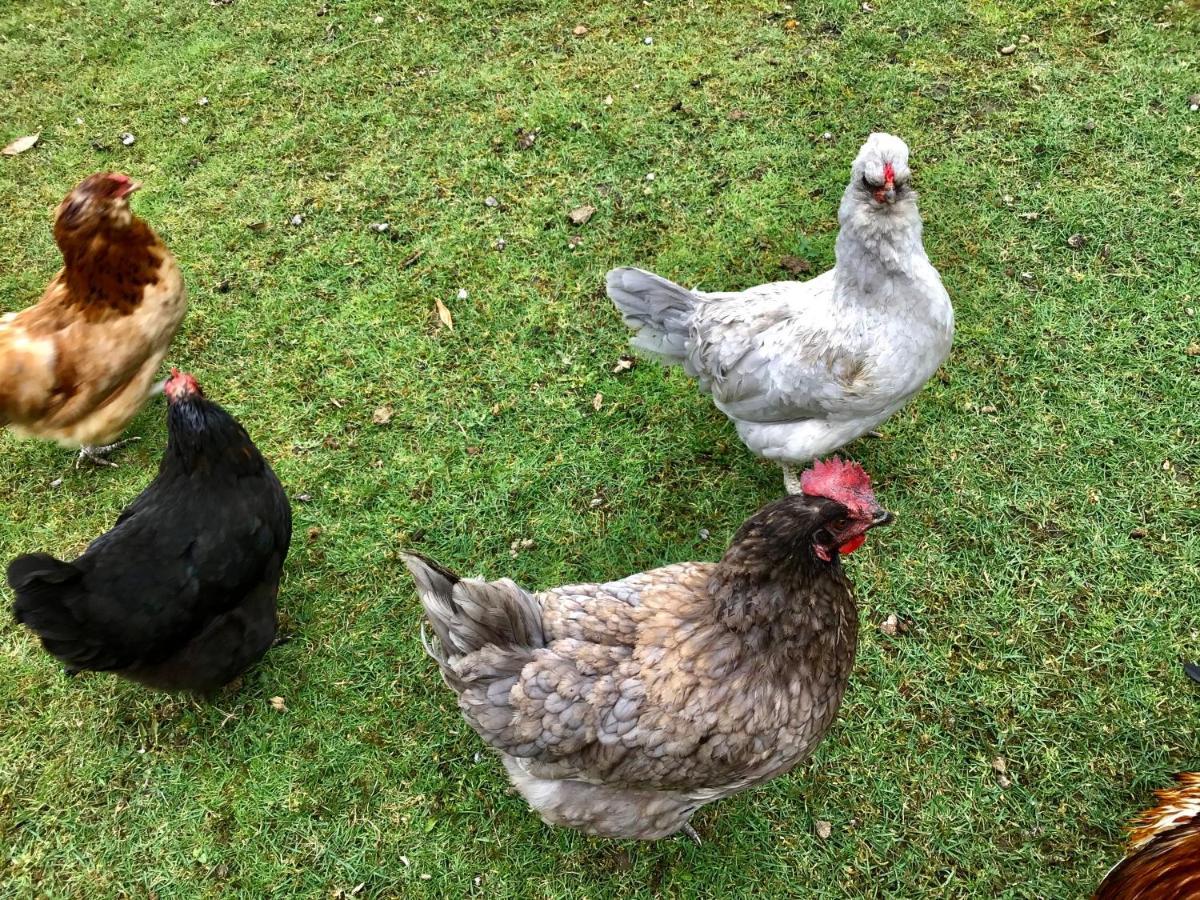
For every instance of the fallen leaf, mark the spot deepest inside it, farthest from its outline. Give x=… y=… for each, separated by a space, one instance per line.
x=891 y=625
x=314 y=532
x=581 y=214
x=1000 y=765
x=21 y=144
x=736 y=115
x=579 y=30
x=624 y=364
x=382 y=415
x=278 y=704
x=1077 y=242
x=790 y=25
x=797 y=265
x=1193 y=350
x=525 y=139
x=444 y=314
x=597 y=401
x=824 y=829
x=1008 y=50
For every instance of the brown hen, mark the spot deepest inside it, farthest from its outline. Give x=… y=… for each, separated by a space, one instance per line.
x=1163 y=862
x=620 y=709
x=80 y=363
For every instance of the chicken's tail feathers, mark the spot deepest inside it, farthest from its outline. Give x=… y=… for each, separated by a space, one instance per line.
x=659 y=311
x=467 y=615
x=48 y=591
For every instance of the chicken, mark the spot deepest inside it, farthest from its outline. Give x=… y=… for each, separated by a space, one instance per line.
x=78 y=365
x=180 y=594
x=619 y=709
x=803 y=368
x=1163 y=862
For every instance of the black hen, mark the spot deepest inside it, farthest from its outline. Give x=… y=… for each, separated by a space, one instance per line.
x=180 y=594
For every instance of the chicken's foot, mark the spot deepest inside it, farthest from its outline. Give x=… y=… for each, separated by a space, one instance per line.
x=691 y=832
x=96 y=455
x=791 y=481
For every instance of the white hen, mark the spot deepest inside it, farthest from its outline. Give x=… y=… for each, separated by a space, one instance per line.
x=803 y=367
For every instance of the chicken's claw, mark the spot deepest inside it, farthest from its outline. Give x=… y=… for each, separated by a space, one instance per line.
x=96 y=455
x=691 y=832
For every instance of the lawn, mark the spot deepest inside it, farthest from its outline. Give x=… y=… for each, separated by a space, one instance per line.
x=1047 y=552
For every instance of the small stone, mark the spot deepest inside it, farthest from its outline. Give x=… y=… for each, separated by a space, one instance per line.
x=1077 y=242
x=491 y=202
x=579 y=30
x=703 y=534
x=203 y=101
x=462 y=294
x=183 y=120
x=379 y=227
x=580 y=215
x=297 y=219
x=1008 y=50
x=824 y=829
x=278 y=704
x=57 y=482
x=891 y=625
x=650 y=176
x=595 y=502
x=1194 y=103
x=378 y=20
x=1089 y=126
x=127 y=139
x=500 y=244
x=303 y=498
x=647 y=40
x=382 y=415
x=827 y=135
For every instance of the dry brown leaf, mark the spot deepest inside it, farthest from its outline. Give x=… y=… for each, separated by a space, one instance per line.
x=444 y=314
x=624 y=364
x=278 y=704
x=21 y=144
x=579 y=30
x=382 y=416
x=824 y=829
x=597 y=401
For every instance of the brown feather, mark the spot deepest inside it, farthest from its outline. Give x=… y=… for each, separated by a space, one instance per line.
x=1164 y=856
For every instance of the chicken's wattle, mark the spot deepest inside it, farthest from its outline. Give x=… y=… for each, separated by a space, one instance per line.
x=853 y=544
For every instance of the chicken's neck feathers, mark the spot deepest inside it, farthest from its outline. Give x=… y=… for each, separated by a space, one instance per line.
x=876 y=246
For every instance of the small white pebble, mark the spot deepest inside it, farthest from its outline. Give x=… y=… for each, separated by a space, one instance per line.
x=827 y=136
x=57 y=482
x=647 y=40
x=501 y=244
x=649 y=176
x=183 y=120
x=491 y=201
x=379 y=227
x=704 y=534
x=462 y=294
x=378 y=20
x=203 y=101
x=127 y=139
x=297 y=219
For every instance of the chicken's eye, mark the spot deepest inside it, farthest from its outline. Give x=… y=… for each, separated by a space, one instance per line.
x=840 y=524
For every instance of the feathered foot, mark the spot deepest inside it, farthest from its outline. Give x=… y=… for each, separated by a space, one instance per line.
x=691 y=832
x=96 y=455
x=791 y=481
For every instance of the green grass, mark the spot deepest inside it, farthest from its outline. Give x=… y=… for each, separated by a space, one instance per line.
x=1047 y=552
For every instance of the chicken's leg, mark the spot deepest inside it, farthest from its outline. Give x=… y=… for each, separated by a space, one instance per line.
x=791 y=481
x=96 y=455
x=691 y=832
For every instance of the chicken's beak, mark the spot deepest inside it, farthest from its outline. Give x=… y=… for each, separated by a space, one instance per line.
x=882 y=517
x=131 y=187
x=889 y=191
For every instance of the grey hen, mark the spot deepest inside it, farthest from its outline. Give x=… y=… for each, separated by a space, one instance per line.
x=804 y=367
x=620 y=709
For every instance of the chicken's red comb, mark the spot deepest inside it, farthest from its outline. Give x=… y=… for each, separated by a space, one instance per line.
x=889 y=172
x=843 y=481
